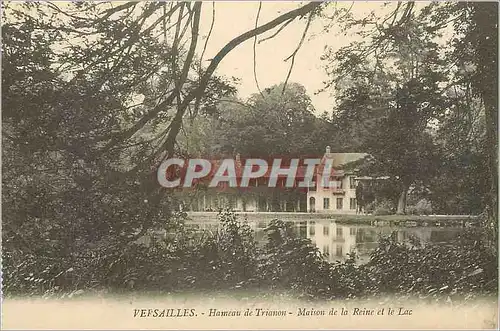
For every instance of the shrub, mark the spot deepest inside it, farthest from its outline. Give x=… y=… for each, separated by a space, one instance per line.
x=422 y=207
x=463 y=266
x=236 y=250
x=290 y=262
x=229 y=259
x=370 y=207
x=384 y=207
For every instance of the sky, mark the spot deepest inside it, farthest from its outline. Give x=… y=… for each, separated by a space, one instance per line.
x=234 y=18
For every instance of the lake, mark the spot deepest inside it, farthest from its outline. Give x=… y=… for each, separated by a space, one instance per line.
x=336 y=239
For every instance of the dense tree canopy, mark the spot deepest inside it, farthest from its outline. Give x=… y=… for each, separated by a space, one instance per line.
x=94 y=96
x=409 y=94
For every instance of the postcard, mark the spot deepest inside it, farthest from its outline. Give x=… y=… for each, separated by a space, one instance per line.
x=249 y=165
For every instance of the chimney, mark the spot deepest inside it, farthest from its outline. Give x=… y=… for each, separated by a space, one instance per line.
x=328 y=150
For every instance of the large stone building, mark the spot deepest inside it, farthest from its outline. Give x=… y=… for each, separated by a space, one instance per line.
x=339 y=198
x=257 y=197
x=336 y=193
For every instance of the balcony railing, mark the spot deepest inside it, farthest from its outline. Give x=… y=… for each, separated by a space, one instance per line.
x=337 y=190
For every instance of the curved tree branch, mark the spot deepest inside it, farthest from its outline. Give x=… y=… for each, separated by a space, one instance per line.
x=295 y=52
x=209 y=32
x=255 y=52
x=277 y=32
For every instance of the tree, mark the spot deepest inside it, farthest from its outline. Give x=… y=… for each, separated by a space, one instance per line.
x=94 y=97
x=60 y=201
x=388 y=101
x=449 y=48
x=290 y=130
x=478 y=24
x=475 y=57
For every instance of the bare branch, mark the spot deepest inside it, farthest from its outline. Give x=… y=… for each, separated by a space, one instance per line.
x=59 y=10
x=288 y=75
x=347 y=12
x=255 y=52
x=111 y=11
x=277 y=32
x=301 y=39
x=209 y=32
x=295 y=52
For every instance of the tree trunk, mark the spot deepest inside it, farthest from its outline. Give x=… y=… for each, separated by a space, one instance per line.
x=491 y=141
x=485 y=17
x=402 y=201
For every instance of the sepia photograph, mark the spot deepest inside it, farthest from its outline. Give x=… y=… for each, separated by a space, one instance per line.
x=246 y=165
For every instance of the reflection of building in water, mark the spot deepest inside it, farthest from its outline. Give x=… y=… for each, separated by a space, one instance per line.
x=336 y=241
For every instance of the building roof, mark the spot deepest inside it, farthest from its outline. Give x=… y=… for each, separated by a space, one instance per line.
x=341 y=159
x=240 y=167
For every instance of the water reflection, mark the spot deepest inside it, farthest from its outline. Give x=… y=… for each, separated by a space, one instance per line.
x=336 y=240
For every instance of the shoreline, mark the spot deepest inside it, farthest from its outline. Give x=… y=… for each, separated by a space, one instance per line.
x=375 y=220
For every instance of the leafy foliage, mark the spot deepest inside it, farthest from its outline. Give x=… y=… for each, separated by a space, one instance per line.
x=384 y=207
x=291 y=128
x=421 y=269
x=229 y=259
x=409 y=95
x=422 y=207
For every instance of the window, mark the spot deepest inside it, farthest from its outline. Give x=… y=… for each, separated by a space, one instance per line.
x=312 y=204
x=312 y=231
x=338 y=251
x=352 y=182
x=352 y=203
x=340 y=203
x=326 y=250
x=336 y=183
x=326 y=230
x=326 y=203
x=352 y=231
x=339 y=232
x=326 y=182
